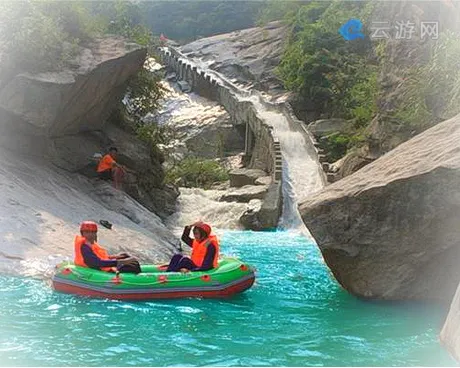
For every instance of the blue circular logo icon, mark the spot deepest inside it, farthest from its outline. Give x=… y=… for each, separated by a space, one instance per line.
x=351 y=30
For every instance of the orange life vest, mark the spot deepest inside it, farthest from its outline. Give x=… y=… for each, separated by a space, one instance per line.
x=96 y=248
x=199 y=250
x=106 y=163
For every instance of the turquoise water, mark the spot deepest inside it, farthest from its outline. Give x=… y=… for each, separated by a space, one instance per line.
x=295 y=315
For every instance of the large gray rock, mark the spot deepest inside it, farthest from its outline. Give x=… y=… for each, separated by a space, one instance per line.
x=63 y=116
x=144 y=181
x=217 y=140
x=248 y=56
x=351 y=162
x=266 y=215
x=327 y=126
x=390 y=230
x=450 y=334
x=241 y=177
x=71 y=101
x=245 y=193
x=41 y=207
x=201 y=127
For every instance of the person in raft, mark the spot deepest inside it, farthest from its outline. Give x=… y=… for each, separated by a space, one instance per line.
x=205 y=250
x=109 y=169
x=88 y=253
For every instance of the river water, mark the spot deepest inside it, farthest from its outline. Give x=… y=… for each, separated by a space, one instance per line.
x=295 y=315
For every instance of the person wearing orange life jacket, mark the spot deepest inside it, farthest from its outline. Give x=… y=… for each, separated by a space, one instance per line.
x=205 y=250
x=88 y=253
x=109 y=169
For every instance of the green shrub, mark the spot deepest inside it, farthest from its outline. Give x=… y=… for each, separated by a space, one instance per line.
x=144 y=91
x=198 y=173
x=360 y=101
x=336 y=75
x=431 y=93
x=155 y=133
x=337 y=145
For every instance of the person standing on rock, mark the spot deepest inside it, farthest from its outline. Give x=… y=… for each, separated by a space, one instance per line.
x=109 y=169
x=88 y=253
x=205 y=250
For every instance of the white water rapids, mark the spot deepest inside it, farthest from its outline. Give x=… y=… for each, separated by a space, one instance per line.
x=188 y=114
x=301 y=171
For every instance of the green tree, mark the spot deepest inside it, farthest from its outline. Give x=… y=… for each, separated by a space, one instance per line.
x=322 y=67
x=185 y=21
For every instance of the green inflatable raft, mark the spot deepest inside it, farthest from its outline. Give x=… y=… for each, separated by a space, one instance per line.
x=230 y=277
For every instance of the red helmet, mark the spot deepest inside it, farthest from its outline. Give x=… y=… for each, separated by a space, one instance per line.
x=205 y=227
x=88 y=226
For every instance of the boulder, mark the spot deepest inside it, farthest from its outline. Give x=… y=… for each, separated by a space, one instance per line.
x=250 y=218
x=144 y=180
x=201 y=127
x=264 y=180
x=450 y=333
x=245 y=193
x=352 y=162
x=241 y=177
x=327 y=126
x=63 y=116
x=390 y=230
x=41 y=207
x=264 y=216
x=215 y=140
x=39 y=106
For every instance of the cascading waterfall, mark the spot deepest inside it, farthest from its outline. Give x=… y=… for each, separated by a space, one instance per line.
x=301 y=172
x=199 y=204
x=188 y=114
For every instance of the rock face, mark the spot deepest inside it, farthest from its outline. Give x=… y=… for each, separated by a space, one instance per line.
x=63 y=116
x=61 y=119
x=390 y=230
x=249 y=56
x=450 y=334
x=72 y=101
x=201 y=127
x=381 y=137
x=144 y=181
x=41 y=207
x=326 y=126
x=218 y=140
x=264 y=216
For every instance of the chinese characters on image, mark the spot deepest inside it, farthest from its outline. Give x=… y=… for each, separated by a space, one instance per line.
x=404 y=30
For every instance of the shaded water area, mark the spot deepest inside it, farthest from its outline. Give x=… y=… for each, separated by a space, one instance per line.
x=295 y=315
